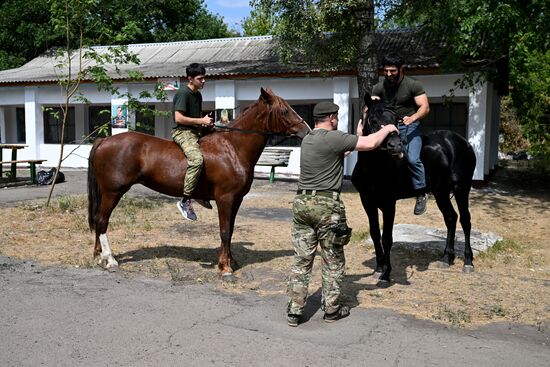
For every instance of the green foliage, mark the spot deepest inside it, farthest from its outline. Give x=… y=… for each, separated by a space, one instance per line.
x=512 y=38
x=25 y=31
x=511 y=131
x=323 y=33
x=261 y=22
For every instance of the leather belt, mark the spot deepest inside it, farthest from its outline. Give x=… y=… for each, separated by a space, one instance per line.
x=326 y=193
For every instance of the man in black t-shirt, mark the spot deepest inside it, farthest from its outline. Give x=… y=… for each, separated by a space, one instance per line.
x=407 y=98
x=188 y=119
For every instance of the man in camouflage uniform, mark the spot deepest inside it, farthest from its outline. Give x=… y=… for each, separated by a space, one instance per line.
x=319 y=213
x=188 y=119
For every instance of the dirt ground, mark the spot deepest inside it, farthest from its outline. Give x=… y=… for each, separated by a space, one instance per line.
x=511 y=282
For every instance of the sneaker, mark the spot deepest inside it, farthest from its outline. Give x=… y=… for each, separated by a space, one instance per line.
x=293 y=320
x=420 y=206
x=186 y=209
x=342 y=312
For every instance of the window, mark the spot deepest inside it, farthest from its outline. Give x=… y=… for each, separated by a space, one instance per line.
x=20 y=121
x=99 y=116
x=53 y=120
x=444 y=116
x=145 y=120
x=305 y=112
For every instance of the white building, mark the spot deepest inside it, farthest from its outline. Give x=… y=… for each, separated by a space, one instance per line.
x=236 y=69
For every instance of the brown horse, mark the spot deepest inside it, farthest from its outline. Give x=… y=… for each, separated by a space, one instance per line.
x=120 y=161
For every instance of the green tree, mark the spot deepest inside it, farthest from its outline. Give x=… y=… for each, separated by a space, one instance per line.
x=73 y=19
x=510 y=37
x=25 y=31
x=27 y=28
x=261 y=21
x=508 y=40
x=330 y=33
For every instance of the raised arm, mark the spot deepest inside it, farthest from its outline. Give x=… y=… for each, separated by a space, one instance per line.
x=374 y=140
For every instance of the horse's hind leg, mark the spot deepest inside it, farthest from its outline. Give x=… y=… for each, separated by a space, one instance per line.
x=102 y=247
x=461 y=198
x=450 y=217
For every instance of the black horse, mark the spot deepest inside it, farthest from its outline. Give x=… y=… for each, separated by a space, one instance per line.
x=381 y=176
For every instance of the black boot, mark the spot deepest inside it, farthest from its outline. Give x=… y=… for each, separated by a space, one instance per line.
x=420 y=206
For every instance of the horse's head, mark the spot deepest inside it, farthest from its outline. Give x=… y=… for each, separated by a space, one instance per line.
x=375 y=116
x=279 y=117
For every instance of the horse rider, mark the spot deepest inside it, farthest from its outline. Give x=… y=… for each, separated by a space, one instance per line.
x=407 y=98
x=188 y=118
x=319 y=213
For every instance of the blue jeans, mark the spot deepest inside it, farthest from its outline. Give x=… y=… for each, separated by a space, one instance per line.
x=411 y=136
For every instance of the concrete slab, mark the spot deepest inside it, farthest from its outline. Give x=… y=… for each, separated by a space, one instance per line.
x=433 y=239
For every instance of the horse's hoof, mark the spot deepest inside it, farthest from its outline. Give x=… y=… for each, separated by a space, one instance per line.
x=441 y=265
x=229 y=278
x=382 y=283
x=112 y=268
x=468 y=269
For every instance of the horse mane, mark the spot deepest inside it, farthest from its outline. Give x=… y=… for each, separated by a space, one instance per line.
x=274 y=111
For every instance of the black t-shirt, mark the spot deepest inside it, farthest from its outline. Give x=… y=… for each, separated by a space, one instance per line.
x=400 y=98
x=187 y=102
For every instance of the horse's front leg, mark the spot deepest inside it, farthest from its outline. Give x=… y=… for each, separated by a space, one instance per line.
x=388 y=216
x=227 y=212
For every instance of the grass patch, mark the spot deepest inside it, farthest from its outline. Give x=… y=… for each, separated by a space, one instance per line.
x=504 y=250
x=359 y=236
x=456 y=317
x=496 y=311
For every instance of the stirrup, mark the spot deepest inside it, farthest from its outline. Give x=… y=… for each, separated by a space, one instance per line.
x=204 y=203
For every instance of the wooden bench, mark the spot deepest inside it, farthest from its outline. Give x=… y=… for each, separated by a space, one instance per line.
x=32 y=164
x=274 y=157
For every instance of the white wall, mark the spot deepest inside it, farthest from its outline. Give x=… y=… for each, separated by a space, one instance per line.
x=482 y=131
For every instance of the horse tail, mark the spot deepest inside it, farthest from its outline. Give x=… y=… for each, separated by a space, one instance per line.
x=94 y=194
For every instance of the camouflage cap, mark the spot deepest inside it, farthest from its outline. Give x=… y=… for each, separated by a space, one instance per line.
x=323 y=109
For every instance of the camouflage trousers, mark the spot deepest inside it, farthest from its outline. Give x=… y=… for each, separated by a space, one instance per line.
x=317 y=220
x=188 y=140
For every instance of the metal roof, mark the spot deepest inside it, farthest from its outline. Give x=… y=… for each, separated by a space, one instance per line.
x=224 y=58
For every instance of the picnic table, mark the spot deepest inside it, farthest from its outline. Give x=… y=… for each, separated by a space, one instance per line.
x=13 y=162
x=14 y=148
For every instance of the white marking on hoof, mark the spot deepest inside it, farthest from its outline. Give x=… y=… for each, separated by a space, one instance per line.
x=106 y=257
x=468 y=269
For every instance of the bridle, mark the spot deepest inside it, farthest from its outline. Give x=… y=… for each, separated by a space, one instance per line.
x=266 y=133
x=398 y=120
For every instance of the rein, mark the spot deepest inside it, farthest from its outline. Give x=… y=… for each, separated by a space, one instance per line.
x=260 y=132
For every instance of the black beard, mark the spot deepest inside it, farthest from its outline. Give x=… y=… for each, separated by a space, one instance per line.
x=394 y=81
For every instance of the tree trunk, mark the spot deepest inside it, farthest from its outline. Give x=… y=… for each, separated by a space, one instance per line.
x=367 y=62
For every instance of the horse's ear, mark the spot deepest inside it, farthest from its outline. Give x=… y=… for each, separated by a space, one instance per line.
x=367 y=100
x=266 y=95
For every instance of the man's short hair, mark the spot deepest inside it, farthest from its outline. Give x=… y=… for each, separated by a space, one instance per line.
x=392 y=59
x=195 y=69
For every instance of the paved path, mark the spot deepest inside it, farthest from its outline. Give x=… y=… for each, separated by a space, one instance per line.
x=60 y=316
x=52 y=316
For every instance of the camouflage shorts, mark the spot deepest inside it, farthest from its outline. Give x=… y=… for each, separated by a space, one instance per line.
x=317 y=220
